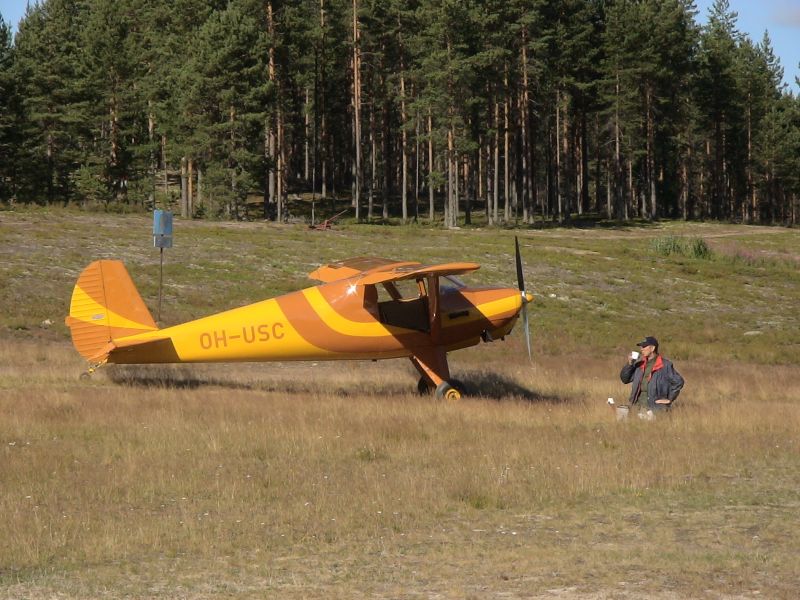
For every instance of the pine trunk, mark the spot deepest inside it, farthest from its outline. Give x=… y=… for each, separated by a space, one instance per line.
x=753 y=212
x=306 y=134
x=416 y=166
x=559 y=194
x=164 y=163
x=151 y=130
x=373 y=161
x=525 y=132
x=232 y=164
x=184 y=191
x=356 y=112
x=323 y=138
x=651 y=161
x=619 y=203
x=270 y=130
x=199 y=187
x=403 y=130
x=430 y=168
x=190 y=188
x=506 y=159
x=449 y=219
x=496 y=175
x=583 y=146
x=386 y=152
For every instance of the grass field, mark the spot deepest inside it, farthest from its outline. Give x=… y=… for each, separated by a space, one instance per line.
x=336 y=480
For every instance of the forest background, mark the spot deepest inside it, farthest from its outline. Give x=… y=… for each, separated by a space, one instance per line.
x=502 y=111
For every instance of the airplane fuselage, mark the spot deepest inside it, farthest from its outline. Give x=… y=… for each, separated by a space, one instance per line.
x=333 y=321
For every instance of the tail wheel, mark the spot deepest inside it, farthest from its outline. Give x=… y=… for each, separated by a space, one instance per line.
x=447 y=391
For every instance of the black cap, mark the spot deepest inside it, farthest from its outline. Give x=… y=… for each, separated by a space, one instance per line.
x=648 y=341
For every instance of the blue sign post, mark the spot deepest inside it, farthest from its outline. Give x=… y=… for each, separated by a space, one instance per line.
x=162 y=238
x=162 y=229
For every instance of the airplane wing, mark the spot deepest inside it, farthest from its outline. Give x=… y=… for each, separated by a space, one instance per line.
x=354 y=266
x=371 y=270
x=415 y=270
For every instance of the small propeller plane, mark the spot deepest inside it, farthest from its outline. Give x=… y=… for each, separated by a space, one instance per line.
x=365 y=308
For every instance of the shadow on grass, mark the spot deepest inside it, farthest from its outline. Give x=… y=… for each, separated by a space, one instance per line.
x=183 y=378
x=477 y=384
x=498 y=387
x=168 y=378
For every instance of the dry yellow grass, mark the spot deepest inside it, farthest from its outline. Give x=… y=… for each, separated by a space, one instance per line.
x=334 y=480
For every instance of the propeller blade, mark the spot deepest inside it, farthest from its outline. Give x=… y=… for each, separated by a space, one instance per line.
x=527 y=331
x=521 y=283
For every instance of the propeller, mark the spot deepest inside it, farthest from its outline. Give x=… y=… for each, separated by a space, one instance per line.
x=525 y=298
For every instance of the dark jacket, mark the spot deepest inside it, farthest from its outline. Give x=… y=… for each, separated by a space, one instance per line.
x=665 y=382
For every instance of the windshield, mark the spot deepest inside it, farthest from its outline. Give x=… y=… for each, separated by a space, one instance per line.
x=450 y=282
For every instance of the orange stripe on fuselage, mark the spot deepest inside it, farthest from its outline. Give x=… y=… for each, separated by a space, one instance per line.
x=306 y=320
x=322 y=316
x=357 y=303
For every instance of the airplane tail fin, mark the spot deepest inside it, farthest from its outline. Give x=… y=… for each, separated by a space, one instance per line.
x=105 y=306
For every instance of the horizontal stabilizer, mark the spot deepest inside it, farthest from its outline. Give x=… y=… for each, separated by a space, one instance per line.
x=160 y=350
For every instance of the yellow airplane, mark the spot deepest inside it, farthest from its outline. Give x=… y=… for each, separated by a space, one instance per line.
x=365 y=308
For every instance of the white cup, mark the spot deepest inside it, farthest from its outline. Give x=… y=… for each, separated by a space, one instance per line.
x=635 y=355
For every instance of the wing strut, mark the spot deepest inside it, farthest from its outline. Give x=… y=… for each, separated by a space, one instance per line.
x=433 y=308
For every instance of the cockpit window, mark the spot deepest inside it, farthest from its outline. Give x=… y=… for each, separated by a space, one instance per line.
x=408 y=288
x=450 y=282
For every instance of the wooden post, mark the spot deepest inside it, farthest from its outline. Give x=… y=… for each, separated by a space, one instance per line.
x=190 y=189
x=184 y=190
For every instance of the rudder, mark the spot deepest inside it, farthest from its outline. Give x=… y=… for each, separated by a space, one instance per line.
x=105 y=306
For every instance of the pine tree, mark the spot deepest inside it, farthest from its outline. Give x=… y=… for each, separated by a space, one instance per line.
x=620 y=96
x=225 y=87
x=9 y=115
x=529 y=106
x=760 y=81
x=720 y=106
x=114 y=109
x=49 y=71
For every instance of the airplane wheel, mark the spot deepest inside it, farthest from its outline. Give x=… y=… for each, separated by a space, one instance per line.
x=446 y=391
x=84 y=376
x=423 y=387
x=457 y=383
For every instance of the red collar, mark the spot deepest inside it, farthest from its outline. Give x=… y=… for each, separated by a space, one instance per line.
x=659 y=364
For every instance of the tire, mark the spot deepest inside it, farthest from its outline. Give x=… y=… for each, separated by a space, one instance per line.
x=423 y=387
x=459 y=385
x=448 y=392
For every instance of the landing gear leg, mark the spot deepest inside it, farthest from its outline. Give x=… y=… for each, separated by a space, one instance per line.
x=435 y=375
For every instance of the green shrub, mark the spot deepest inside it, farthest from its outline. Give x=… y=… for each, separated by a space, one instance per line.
x=694 y=247
x=667 y=245
x=699 y=249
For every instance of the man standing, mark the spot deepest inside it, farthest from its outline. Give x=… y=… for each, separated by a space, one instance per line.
x=655 y=381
